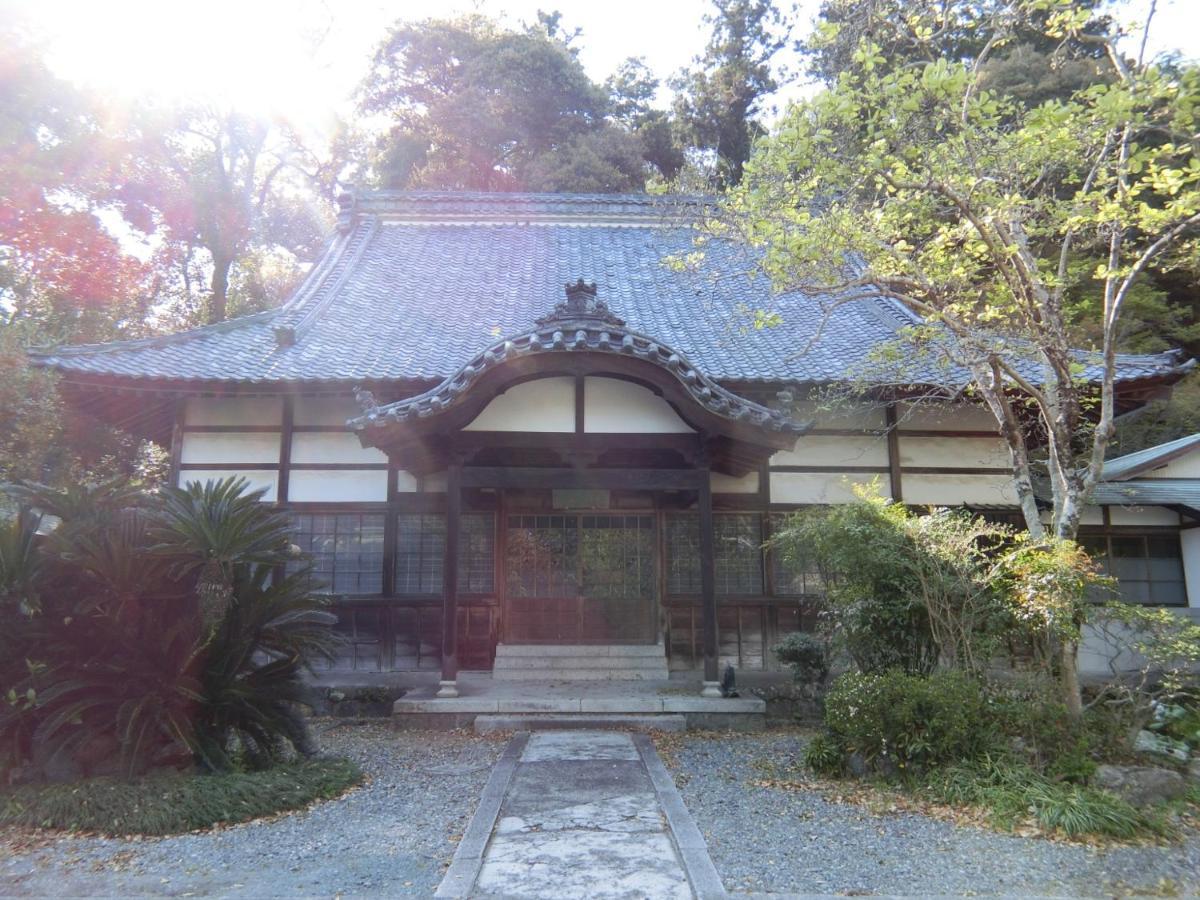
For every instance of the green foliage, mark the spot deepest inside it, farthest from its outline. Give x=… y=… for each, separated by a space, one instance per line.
x=124 y=654
x=986 y=216
x=174 y=804
x=1013 y=793
x=905 y=589
x=862 y=552
x=824 y=756
x=718 y=102
x=478 y=106
x=911 y=720
x=807 y=656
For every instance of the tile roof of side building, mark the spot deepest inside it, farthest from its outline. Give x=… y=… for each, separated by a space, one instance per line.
x=414 y=284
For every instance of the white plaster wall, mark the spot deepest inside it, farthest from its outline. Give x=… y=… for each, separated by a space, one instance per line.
x=258 y=478
x=615 y=406
x=1185 y=467
x=1092 y=515
x=865 y=416
x=805 y=487
x=1189 y=541
x=333 y=486
x=332 y=447
x=954 y=452
x=955 y=490
x=235 y=411
x=211 y=448
x=827 y=450
x=1142 y=515
x=727 y=484
x=547 y=404
x=324 y=410
x=434 y=483
x=945 y=417
x=1097 y=648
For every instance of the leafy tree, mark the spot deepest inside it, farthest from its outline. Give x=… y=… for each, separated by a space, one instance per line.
x=232 y=198
x=720 y=98
x=471 y=105
x=972 y=209
x=63 y=158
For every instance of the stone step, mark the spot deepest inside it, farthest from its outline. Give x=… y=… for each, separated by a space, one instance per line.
x=628 y=673
x=578 y=662
x=487 y=724
x=510 y=650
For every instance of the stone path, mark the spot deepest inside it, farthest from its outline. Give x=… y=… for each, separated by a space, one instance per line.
x=581 y=813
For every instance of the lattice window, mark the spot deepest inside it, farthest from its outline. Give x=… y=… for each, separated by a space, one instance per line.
x=793 y=570
x=543 y=556
x=420 y=553
x=1148 y=567
x=346 y=549
x=477 y=554
x=737 y=545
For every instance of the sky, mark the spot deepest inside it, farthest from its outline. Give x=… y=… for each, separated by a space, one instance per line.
x=301 y=59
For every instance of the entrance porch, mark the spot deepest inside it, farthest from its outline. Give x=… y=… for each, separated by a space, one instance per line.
x=487 y=703
x=577 y=437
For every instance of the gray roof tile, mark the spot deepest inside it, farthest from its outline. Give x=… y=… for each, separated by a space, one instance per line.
x=416 y=284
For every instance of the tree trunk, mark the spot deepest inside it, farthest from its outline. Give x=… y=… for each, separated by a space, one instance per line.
x=1068 y=663
x=218 y=300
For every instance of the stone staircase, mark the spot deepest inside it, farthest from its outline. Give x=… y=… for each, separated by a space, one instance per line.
x=580 y=662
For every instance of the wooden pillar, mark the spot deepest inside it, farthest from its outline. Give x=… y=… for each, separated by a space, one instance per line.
x=708 y=583
x=449 y=682
x=893 y=445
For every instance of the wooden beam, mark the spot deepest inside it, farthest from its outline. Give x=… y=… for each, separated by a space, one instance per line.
x=893 y=446
x=285 y=451
x=610 y=479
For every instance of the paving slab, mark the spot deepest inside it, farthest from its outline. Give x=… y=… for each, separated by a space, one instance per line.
x=583 y=813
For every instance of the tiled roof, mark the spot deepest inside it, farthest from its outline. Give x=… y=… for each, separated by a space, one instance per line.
x=582 y=324
x=416 y=284
x=1149 y=492
x=1131 y=464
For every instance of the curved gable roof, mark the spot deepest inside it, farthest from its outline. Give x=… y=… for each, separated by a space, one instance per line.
x=416 y=284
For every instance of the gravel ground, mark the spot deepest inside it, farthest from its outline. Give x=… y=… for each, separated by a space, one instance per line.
x=393 y=835
x=775 y=840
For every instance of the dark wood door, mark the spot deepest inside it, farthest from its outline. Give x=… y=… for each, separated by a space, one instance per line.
x=580 y=578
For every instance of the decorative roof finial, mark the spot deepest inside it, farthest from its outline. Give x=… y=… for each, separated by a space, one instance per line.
x=581 y=305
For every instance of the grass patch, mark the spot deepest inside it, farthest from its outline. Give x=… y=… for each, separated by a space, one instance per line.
x=175 y=803
x=1014 y=793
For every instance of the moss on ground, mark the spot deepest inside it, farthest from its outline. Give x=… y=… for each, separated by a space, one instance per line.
x=175 y=803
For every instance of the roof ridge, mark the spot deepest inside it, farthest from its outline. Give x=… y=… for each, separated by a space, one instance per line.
x=320 y=288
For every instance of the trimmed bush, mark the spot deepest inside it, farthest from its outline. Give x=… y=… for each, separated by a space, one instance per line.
x=175 y=803
x=909 y=720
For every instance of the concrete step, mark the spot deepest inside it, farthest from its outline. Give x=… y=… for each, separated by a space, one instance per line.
x=652 y=650
x=548 y=721
x=586 y=661
x=643 y=673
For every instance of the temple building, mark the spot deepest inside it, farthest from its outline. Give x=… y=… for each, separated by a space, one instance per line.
x=514 y=436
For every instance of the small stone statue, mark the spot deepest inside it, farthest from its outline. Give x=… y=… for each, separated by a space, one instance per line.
x=728 y=685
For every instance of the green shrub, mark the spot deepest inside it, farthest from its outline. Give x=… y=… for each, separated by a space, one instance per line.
x=175 y=803
x=920 y=720
x=807 y=657
x=823 y=755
